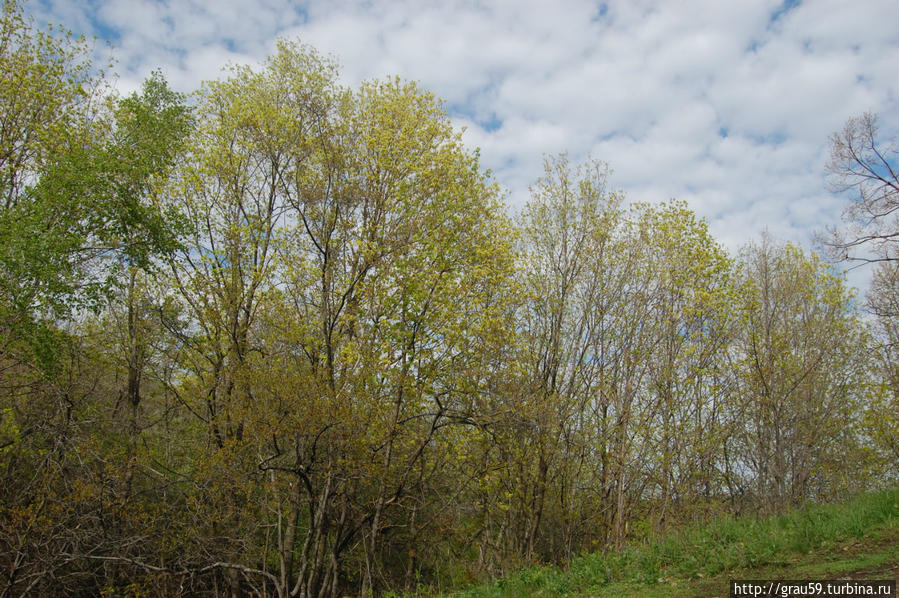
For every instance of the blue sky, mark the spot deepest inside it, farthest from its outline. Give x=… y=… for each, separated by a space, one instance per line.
x=725 y=104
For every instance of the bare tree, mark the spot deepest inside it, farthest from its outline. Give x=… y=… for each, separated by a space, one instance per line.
x=865 y=166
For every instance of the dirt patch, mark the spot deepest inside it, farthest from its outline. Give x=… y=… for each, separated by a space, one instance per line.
x=877 y=573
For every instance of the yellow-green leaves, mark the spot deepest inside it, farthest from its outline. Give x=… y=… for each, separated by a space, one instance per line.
x=343 y=279
x=332 y=364
x=802 y=372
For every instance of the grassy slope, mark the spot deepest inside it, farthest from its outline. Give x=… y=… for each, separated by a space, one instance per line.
x=825 y=541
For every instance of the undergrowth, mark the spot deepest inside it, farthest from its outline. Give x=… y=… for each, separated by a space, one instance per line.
x=705 y=551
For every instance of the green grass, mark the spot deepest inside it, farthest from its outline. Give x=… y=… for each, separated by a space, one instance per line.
x=811 y=541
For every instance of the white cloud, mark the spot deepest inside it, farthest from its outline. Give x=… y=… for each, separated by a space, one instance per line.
x=718 y=103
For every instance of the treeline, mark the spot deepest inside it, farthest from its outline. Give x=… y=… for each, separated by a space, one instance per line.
x=283 y=339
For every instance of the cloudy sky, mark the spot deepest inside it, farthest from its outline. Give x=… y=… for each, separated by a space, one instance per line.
x=726 y=104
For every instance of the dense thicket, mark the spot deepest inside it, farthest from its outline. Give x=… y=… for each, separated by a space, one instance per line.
x=284 y=340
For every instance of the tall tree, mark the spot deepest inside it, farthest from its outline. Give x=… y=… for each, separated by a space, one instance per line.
x=568 y=230
x=79 y=169
x=883 y=303
x=689 y=387
x=865 y=165
x=803 y=372
x=341 y=284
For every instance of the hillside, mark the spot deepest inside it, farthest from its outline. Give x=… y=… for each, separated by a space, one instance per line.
x=858 y=539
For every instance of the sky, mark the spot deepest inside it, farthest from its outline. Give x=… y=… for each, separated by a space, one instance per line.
x=726 y=104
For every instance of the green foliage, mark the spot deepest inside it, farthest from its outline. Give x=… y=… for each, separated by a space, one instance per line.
x=77 y=174
x=803 y=374
x=288 y=341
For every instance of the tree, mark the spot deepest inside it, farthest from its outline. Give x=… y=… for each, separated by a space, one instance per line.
x=862 y=163
x=52 y=109
x=76 y=169
x=865 y=164
x=620 y=390
x=287 y=342
x=883 y=413
x=339 y=286
x=79 y=170
x=803 y=375
x=568 y=228
x=689 y=392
